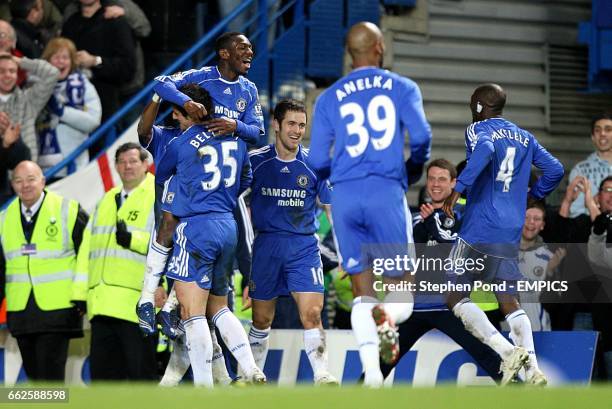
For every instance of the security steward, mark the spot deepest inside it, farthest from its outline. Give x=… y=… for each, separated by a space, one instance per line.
x=44 y=267
x=120 y=231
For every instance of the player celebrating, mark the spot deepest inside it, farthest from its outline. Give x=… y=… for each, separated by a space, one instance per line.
x=286 y=254
x=499 y=155
x=205 y=171
x=236 y=110
x=235 y=99
x=365 y=115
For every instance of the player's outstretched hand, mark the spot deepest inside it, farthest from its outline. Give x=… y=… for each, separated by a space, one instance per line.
x=221 y=126
x=195 y=110
x=449 y=203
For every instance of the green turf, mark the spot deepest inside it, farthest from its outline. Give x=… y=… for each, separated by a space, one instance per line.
x=184 y=397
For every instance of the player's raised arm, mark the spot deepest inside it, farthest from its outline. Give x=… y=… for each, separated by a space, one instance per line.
x=251 y=127
x=322 y=138
x=167 y=87
x=552 y=171
x=146 y=121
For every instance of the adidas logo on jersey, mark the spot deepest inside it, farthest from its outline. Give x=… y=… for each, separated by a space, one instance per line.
x=285 y=170
x=205 y=279
x=227 y=91
x=351 y=262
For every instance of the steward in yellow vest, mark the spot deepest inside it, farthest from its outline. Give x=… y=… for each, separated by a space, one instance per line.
x=44 y=265
x=120 y=230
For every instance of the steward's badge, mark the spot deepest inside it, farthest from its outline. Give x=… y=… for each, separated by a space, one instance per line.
x=28 y=249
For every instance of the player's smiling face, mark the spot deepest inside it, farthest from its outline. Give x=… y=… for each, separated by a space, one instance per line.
x=602 y=135
x=290 y=131
x=439 y=184
x=534 y=223
x=241 y=55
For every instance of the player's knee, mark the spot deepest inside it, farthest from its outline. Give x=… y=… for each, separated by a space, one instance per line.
x=311 y=316
x=262 y=321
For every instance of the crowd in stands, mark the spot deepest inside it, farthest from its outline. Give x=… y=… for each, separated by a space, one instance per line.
x=66 y=67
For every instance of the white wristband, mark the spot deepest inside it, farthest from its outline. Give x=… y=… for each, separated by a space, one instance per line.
x=156 y=98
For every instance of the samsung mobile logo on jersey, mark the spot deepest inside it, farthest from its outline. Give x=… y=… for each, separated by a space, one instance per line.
x=219 y=110
x=363 y=84
x=292 y=197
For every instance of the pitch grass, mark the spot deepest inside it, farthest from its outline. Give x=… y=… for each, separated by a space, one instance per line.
x=138 y=396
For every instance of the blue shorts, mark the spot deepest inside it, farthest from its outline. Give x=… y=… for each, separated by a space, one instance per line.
x=371 y=221
x=284 y=263
x=484 y=267
x=203 y=252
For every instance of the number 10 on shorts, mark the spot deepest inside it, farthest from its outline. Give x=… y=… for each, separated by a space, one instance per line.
x=317 y=275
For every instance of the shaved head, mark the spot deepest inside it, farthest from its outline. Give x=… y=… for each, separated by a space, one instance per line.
x=365 y=44
x=488 y=101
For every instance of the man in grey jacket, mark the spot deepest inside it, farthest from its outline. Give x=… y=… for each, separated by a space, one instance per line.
x=23 y=105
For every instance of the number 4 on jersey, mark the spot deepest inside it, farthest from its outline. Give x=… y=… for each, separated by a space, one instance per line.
x=506 y=169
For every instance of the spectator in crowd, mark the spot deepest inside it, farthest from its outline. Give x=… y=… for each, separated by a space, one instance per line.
x=8 y=42
x=106 y=47
x=44 y=264
x=27 y=17
x=12 y=151
x=120 y=232
x=73 y=111
x=536 y=262
x=600 y=254
x=141 y=28
x=23 y=105
x=597 y=165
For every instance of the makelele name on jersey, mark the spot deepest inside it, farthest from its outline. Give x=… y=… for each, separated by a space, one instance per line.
x=361 y=84
x=506 y=134
x=287 y=197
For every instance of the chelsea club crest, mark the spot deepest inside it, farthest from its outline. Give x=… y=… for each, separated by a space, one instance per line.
x=302 y=181
x=241 y=104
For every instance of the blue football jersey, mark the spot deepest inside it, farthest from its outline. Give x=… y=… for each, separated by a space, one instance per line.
x=500 y=156
x=231 y=99
x=365 y=116
x=284 y=193
x=209 y=172
x=160 y=137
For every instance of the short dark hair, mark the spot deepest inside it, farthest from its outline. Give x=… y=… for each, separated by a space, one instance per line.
x=281 y=108
x=599 y=117
x=603 y=182
x=128 y=146
x=225 y=40
x=537 y=204
x=443 y=164
x=197 y=94
x=21 y=8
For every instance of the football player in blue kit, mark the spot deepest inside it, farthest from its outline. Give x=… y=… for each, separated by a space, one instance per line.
x=496 y=178
x=209 y=173
x=236 y=110
x=286 y=257
x=364 y=116
x=235 y=99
